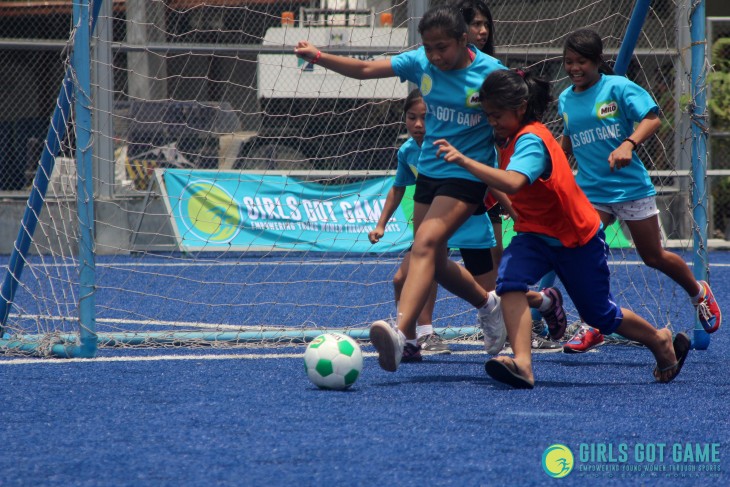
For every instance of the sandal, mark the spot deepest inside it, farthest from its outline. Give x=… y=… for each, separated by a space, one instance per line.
x=506 y=371
x=682 y=345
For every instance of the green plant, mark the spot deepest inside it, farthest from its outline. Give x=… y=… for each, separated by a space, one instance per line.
x=719 y=81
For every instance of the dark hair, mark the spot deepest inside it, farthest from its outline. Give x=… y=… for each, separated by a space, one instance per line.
x=448 y=19
x=588 y=44
x=469 y=9
x=413 y=97
x=507 y=89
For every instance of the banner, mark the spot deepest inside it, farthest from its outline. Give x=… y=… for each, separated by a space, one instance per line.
x=216 y=210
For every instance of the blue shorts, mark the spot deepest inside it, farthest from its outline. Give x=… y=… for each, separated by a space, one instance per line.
x=583 y=271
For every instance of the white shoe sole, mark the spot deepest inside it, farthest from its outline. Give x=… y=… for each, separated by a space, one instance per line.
x=381 y=336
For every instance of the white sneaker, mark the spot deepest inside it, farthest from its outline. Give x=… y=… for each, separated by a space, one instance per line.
x=493 y=329
x=388 y=343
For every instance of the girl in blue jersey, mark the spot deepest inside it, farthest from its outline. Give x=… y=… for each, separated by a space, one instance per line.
x=448 y=72
x=474 y=239
x=606 y=118
x=557 y=229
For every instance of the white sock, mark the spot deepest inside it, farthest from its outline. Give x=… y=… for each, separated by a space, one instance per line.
x=423 y=330
x=546 y=302
x=401 y=337
x=696 y=299
x=492 y=302
x=413 y=342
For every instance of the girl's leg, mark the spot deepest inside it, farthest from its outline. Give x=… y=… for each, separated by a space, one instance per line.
x=518 y=321
x=647 y=239
x=548 y=280
x=659 y=342
x=426 y=315
x=400 y=278
x=429 y=256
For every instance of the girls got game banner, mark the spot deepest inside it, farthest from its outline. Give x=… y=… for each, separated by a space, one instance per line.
x=215 y=210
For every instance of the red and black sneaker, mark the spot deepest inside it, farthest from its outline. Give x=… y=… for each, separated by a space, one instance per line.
x=708 y=310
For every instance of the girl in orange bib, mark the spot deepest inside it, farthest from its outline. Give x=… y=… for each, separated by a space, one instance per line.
x=557 y=229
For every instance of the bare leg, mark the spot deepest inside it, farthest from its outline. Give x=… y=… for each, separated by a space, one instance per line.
x=647 y=239
x=519 y=331
x=659 y=342
x=426 y=316
x=429 y=255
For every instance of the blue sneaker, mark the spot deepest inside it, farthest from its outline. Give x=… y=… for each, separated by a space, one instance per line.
x=555 y=315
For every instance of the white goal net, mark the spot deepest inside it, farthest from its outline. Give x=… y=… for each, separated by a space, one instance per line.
x=234 y=184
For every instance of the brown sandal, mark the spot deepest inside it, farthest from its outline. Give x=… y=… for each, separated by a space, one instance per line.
x=682 y=345
x=507 y=372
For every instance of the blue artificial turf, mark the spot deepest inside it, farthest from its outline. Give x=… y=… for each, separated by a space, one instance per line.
x=242 y=420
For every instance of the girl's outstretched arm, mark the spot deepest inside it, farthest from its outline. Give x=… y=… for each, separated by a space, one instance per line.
x=507 y=181
x=346 y=66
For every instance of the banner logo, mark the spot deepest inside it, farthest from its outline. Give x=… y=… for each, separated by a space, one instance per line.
x=210 y=212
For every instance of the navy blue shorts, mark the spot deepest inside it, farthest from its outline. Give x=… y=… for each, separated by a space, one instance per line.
x=583 y=271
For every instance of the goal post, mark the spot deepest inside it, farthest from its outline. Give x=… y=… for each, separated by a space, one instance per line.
x=218 y=130
x=700 y=129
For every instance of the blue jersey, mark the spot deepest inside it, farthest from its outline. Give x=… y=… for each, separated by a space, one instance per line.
x=407 y=170
x=476 y=233
x=453 y=111
x=597 y=121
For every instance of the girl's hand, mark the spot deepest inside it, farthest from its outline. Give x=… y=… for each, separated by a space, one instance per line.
x=621 y=157
x=449 y=152
x=375 y=235
x=306 y=50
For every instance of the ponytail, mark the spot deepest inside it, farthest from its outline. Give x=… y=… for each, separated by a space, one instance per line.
x=508 y=89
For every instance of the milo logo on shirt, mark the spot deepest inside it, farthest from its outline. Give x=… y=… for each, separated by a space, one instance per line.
x=606 y=109
x=472 y=98
x=426 y=85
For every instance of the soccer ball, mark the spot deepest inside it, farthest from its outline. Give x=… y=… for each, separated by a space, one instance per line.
x=333 y=361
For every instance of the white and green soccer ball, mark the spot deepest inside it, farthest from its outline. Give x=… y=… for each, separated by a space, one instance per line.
x=333 y=361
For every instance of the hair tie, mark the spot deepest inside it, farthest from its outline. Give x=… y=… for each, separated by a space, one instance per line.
x=520 y=73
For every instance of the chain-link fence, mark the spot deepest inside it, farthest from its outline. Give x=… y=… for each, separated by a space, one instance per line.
x=186 y=83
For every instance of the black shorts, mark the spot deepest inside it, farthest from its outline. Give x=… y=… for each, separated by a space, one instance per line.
x=477 y=261
x=495 y=214
x=464 y=190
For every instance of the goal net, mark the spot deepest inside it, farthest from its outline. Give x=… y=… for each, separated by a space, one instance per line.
x=234 y=185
